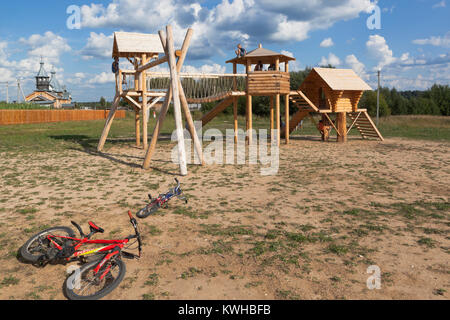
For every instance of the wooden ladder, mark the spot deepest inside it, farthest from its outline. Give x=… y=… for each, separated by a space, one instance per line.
x=305 y=107
x=362 y=121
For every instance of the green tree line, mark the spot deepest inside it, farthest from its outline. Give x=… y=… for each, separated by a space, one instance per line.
x=434 y=101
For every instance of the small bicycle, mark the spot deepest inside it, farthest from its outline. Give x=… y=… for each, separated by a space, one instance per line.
x=161 y=201
x=95 y=279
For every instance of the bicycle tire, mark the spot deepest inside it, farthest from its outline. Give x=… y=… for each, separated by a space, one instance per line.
x=145 y=212
x=25 y=249
x=84 y=271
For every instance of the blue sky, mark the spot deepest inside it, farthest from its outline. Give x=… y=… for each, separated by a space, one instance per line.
x=412 y=47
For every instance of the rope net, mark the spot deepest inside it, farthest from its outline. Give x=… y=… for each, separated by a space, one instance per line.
x=199 y=86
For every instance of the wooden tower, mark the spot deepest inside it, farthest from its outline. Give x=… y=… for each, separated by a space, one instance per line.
x=270 y=81
x=143 y=52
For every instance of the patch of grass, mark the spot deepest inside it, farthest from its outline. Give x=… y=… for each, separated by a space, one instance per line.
x=428 y=242
x=9 y=281
x=152 y=280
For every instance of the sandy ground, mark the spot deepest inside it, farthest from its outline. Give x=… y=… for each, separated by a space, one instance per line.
x=309 y=232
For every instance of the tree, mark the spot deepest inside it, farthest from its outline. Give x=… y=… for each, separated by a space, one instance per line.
x=369 y=102
x=102 y=102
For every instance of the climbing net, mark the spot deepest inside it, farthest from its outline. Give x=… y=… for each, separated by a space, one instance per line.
x=199 y=85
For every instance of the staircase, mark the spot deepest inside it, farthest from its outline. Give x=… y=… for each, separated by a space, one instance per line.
x=362 y=121
x=305 y=107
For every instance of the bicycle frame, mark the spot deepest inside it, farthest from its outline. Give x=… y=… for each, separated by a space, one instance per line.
x=78 y=253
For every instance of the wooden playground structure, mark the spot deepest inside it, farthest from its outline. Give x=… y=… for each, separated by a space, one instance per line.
x=325 y=91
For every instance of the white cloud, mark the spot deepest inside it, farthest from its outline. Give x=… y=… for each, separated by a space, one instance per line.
x=48 y=45
x=332 y=60
x=441 y=4
x=356 y=65
x=206 y=68
x=294 y=65
x=219 y=28
x=326 y=43
x=98 y=45
x=379 y=50
x=102 y=78
x=435 y=41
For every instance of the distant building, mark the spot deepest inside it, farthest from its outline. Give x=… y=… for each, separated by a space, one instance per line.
x=49 y=92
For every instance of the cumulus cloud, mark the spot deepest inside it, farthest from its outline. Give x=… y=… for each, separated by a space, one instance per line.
x=438 y=41
x=48 y=45
x=326 y=43
x=102 y=78
x=379 y=50
x=206 y=68
x=98 y=45
x=219 y=28
x=356 y=65
x=331 y=60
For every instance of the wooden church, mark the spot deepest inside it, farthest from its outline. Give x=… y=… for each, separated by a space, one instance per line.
x=49 y=92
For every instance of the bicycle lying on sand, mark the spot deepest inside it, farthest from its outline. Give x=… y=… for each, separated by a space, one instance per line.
x=161 y=201
x=94 y=279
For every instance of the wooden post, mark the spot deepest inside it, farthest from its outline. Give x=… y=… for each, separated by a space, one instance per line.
x=342 y=126
x=137 y=123
x=235 y=105
x=271 y=114
x=277 y=107
x=277 y=64
x=168 y=98
x=286 y=127
x=176 y=101
x=109 y=121
x=249 y=105
x=143 y=87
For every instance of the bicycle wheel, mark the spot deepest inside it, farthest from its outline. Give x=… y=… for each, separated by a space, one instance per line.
x=148 y=210
x=84 y=284
x=38 y=245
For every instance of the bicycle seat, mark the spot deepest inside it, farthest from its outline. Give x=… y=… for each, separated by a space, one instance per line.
x=96 y=228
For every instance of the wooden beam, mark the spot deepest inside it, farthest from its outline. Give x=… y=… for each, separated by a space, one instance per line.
x=108 y=123
x=176 y=101
x=143 y=87
x=216 y=110
x=134 y=103
x=137 y=125
x=342 y=126
x=165 y=107
x=287 y=127
x=235 y=106
x=152 y=64
x=278 y=115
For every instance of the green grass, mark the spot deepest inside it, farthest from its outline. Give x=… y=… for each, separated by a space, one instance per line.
x=85 y=134
x=21 y=106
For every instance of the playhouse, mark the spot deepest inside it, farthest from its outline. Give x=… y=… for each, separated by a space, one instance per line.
x=326 y=91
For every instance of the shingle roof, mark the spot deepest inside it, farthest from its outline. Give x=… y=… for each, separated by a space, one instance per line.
x=342 y=79
x=126 y=43
x=264 y=54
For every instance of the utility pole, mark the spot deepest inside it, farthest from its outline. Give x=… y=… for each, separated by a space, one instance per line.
x=378 y=98
x=7 y=94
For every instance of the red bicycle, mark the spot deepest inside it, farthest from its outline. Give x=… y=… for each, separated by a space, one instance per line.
x=94 y=279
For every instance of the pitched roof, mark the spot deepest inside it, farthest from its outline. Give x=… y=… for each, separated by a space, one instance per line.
x=126 y=43
x=342 y=79
x=265 y=55
x=42 y=72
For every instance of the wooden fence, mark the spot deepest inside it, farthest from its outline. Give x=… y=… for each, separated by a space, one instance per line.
x=44 y=116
